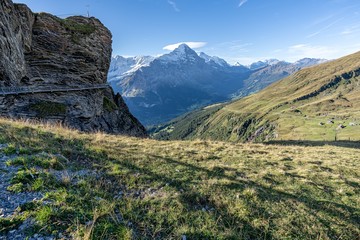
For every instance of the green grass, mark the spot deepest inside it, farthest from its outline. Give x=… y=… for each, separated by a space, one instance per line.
x=109 y=105
x=46 y=108
x=39 y=160
x=147 y=189
x=32 y=180
x=77 y=27
x=7 y=224
x=184 y=126
x=290 y=109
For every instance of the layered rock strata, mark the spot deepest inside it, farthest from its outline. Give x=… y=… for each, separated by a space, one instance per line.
x=42 y=51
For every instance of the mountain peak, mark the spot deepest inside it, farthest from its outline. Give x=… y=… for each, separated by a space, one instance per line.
x=183 y=52
x=204 y=55
x=182 y=47
x=264 y=63
x=214 y=59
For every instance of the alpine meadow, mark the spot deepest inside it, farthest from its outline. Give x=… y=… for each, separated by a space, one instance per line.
x=181 y=119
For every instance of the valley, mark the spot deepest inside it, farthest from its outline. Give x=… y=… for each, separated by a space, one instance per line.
x=319 y=103
x=159 y=89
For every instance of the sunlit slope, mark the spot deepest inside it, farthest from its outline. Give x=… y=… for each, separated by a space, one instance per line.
x=99 y=186
x=317 y=103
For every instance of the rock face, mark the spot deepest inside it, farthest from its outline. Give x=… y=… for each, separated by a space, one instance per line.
x=42 y=51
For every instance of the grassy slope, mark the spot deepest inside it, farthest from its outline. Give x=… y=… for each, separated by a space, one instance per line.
x=183 y=127
x=201 y=189
x=282 y=116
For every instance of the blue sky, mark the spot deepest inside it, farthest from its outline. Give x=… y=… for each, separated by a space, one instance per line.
x=236 y=30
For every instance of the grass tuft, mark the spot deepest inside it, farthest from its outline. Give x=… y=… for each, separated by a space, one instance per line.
x=146 y=189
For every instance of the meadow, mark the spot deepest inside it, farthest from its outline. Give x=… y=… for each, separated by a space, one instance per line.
x=99 y=186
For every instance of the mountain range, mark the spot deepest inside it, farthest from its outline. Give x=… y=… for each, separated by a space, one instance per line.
x=319 y=103
x=158 y=89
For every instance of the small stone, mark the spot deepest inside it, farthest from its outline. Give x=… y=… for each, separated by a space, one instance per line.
x=98 y=198
x=89 y=223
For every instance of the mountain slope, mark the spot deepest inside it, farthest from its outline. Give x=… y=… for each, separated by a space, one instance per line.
x=316 y=103
x=271 y=71
x=176 y=83
x=162 y=88
x=120 y=66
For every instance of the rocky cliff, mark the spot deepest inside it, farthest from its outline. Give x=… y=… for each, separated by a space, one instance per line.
x=41 y=51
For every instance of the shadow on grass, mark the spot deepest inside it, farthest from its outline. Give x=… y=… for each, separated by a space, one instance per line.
x=193 y=199
x=346 y=144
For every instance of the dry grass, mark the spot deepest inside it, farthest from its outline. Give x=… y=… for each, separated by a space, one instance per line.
x=203 y=189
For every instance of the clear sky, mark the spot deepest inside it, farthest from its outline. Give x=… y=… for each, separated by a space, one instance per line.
x=236 y=30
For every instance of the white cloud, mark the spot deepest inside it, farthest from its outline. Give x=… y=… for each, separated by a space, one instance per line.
x=192 y=45
x=242 y=2
x=174 y=6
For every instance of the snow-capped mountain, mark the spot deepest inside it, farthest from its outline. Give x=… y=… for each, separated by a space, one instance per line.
x=213 y=59
x=121 y=66
x=261 y=64
x=183 y=53
x=157 y=89
x=307 y=62
x=175 y=83
x=272 y=71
